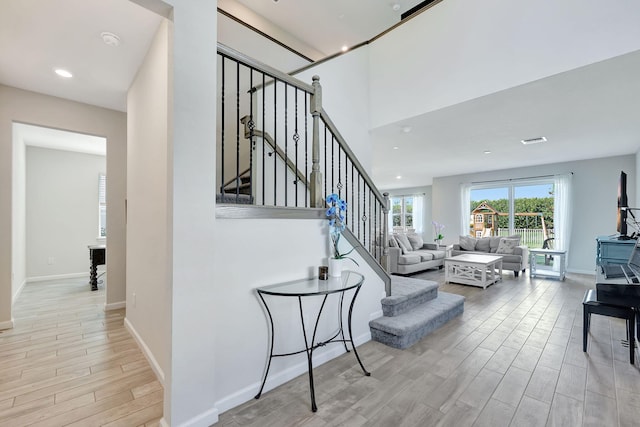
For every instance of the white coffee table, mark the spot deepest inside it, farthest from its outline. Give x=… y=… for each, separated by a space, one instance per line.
x=473 y=269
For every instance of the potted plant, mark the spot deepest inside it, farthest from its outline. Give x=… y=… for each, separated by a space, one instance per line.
x=336 y=214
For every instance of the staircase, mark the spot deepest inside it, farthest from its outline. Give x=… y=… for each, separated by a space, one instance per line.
x=414 y=309
x=237 y=190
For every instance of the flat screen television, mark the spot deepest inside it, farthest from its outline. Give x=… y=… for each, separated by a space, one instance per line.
x=622 y=203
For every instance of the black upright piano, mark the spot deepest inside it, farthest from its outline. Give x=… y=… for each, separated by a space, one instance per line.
x=618 y=292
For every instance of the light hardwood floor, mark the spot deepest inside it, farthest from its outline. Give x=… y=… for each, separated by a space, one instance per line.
x=68 y=362
x=514 y=358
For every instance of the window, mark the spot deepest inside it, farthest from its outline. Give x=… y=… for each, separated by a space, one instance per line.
x=524 y=207
x=102 y=205
x=406 y=213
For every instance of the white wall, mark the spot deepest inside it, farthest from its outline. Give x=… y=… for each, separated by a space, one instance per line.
x=19 y=215
x=148 y=213
x=17 y=105
x=345 y=97
x=253 y=253
x=594 y=200
x=189 y=394
x=464 y=49
x=61 y=211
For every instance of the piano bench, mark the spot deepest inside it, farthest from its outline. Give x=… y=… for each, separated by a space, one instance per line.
x=591 y=305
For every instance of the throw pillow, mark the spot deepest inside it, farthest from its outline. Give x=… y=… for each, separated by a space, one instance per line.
x=404 y=243
x=467 y=243
x=493 y=243
x=392 y=242
x=482 y=244
x=507 y=246
x=515 y=236
x=416 y=241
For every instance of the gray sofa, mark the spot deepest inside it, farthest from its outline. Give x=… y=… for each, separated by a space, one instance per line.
x=517 y=261
x=409 y=254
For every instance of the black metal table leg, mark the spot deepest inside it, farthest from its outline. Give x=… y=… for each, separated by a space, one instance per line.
x=266 y=372
x=300 y=289
x=353 y=300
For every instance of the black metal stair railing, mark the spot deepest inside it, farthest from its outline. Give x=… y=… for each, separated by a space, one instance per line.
x=278 y=147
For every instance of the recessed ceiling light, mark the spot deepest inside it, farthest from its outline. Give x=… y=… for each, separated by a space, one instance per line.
x=110 y=39
x=396 y=6
x=345 y=48
x=395 y=148
x=398 y=177
x=63 y=73
x=533 y=140
x=487 y=152
x=406 y=129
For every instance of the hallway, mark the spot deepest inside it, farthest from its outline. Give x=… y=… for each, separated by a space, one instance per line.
x=68 y=362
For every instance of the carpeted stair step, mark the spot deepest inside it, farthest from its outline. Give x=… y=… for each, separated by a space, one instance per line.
x=407 y=293
x=406 y=329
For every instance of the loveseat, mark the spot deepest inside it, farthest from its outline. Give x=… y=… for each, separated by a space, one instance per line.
x=409 y=254
x=515 y=256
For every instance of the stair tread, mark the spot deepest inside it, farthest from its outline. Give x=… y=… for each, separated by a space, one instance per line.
x=405 y=288
x=419 y=315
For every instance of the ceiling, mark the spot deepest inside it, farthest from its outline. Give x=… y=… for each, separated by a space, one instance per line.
x=334 y=23
x=584 y=113
x=38 y=36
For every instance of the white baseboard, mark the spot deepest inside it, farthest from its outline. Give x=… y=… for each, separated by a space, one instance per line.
x=278 y=378
x=145 y=350
x=18 y=292
x=589 y=272
x=115 y=305
x=205 y=419
x=57 y=277
x=6 y=325
x=375 y=315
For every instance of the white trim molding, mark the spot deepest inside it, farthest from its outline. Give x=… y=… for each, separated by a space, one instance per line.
x=58 y=277
x=276 y=379
x=15 y=296
x=6 y=325
x=115 y=305
x=145 y=350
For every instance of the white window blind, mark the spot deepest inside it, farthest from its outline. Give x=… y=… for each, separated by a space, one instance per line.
x=102 y=205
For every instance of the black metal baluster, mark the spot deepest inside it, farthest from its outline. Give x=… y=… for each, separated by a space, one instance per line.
x=306 y=148
x=251 y=127
x=275 y=142
x=325 y=159
x=237 y=177
x=359 y=213
x=339 y=172
x=352 y=195
x=286 y=141
x=222 y=134
x=296 y=138
x=333 y=144
x=264 y=121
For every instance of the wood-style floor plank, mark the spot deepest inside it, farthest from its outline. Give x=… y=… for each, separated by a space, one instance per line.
x=514 y=357
x=67 y=361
